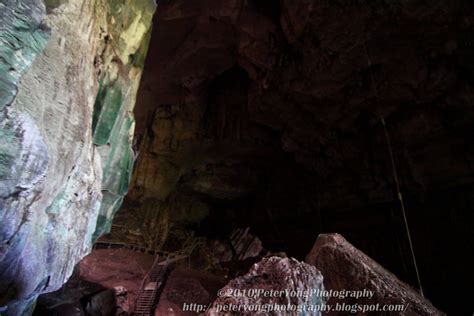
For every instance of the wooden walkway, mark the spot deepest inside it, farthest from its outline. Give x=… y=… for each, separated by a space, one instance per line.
x=188 y=247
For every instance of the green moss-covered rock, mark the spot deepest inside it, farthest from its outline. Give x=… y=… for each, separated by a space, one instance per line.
x=113 y=124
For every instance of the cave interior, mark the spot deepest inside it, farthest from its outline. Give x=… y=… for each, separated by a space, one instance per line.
x=300 y=118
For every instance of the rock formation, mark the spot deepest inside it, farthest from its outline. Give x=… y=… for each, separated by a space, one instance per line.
x=345 y=268
x=269 y=112
x=186 y=286
x=274 y=286
x=69 y=72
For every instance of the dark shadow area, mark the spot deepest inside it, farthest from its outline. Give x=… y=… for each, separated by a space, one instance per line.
x=268 y=116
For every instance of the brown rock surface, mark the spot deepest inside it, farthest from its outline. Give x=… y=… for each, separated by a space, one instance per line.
x=271 y=274
x=105 y=282
x=119 y=269
x=346 y=268
x=187 y=286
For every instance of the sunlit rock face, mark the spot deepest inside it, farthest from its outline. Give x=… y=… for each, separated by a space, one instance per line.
x=66 y=126
x=120 y=62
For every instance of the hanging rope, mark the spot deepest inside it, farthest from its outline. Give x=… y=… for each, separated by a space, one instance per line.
x=402 y=205
x=395 y=175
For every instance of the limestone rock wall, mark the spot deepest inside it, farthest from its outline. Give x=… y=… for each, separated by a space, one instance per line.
x=69 y=73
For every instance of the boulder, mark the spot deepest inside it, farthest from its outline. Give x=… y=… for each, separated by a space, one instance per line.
x=273 y=286
x=346 y=268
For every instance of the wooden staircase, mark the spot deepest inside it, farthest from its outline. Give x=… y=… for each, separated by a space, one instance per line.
x=151 y=288
x=153 y=284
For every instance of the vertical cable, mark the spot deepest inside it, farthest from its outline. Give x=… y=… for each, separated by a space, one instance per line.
x=395 y=174
x=402 y=205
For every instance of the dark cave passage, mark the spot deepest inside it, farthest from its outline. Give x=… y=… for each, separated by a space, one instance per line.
x=266 y=115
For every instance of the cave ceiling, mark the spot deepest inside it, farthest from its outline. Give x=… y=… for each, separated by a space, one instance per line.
x=233 y=87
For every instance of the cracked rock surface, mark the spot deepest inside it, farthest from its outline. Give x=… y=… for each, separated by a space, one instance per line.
x=346 y=268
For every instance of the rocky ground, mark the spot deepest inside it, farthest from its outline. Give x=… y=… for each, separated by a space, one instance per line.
x=108 y=282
